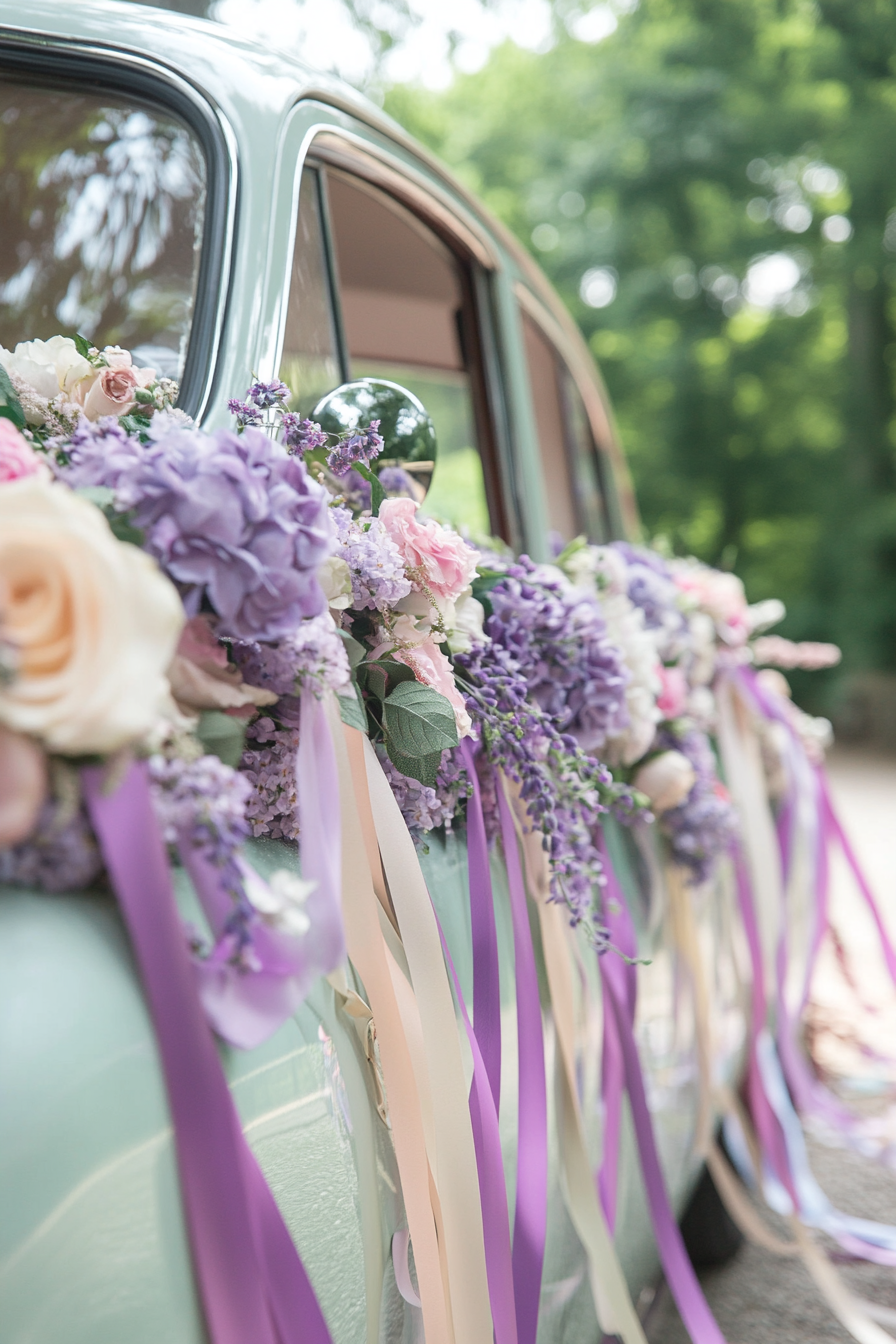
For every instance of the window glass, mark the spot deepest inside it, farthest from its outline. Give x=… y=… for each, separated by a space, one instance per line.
x=402 y=302
x=568 y=452
x=310 y=365
x=101 y=215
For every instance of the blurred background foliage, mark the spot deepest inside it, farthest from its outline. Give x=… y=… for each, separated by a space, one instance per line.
x=711 y=186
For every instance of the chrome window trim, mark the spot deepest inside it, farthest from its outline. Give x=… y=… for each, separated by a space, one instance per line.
x=127 y=72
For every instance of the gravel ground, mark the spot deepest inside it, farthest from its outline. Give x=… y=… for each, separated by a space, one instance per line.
x=759 y=1298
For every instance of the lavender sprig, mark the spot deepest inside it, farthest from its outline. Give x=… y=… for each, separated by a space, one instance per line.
x=359 y=449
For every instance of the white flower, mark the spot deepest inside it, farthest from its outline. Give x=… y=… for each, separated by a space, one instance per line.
x=335 y=578
x=50 y=367
x=667 y=780
x=625 y=626
x=281 y=901
x=469 y=619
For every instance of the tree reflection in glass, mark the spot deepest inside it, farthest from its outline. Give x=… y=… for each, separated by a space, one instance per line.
x=101 y=213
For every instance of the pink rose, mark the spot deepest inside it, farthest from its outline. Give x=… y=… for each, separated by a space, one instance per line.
x=17 y=457
x=673 y=696
x=23 y=786
x=718 y=593
x=436 y=558
x=111 y=393
x=201 y=677
x=430 y=666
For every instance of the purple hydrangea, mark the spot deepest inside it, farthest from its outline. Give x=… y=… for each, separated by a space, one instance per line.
x=703 y=827
x=559 y=637
x=61 y=854
x=99 y=453
x=230 y=517
x=652 y=588
x=269 y=766
x=375 y=563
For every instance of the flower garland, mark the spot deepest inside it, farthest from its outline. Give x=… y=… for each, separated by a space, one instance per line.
x=226 y=573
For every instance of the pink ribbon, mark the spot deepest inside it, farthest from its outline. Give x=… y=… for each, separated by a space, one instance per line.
x=252 y=1283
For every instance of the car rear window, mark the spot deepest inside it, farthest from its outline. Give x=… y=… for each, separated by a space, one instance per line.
x=102 y=204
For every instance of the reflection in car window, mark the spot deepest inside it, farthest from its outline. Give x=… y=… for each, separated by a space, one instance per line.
x=101 y=214
x=568 y=452
x=401 y=293
x=310 y=364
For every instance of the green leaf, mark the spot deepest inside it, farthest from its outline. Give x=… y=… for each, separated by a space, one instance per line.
x=222 y=735
x=354 y=648
x=121 y=524
x=483 y=584
x=352 y=711
x=82 y=345
x=11 y=407
x=422 y=768
x=377 y=493
x=418 y=723
x=379 y=676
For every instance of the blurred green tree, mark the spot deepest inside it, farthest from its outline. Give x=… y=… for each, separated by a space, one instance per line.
x=711 y=187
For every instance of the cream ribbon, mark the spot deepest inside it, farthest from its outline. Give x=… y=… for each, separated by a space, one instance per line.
x=438 y=1064
x=612 y=1300
x=367 y=952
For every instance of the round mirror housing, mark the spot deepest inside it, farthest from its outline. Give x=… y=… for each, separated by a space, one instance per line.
x=409 y=436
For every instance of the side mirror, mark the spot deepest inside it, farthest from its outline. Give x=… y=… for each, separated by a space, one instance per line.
x=409 y=436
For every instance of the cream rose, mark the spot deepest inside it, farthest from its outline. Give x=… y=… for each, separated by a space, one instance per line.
x=50 y=367
x=94 y=621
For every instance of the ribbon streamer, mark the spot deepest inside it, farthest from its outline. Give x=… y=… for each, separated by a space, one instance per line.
x=251 y=1280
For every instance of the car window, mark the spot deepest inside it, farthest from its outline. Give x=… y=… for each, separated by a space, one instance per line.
x=403 y=300
x=568 y=451
x=102 y=205
x=311 y=364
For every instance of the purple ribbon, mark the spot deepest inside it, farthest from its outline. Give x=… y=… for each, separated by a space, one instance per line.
x=530 y=1219
x=490 y=1170
x=252 y=1283
x=698 y=1319
x=486 y=977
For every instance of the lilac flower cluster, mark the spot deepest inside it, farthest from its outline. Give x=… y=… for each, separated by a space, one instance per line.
x=361 y=447
x=259 y=398
x=561 y=787
x=269 y=765
x=652 y=587
x=374 y=561
x=301 y=436
x=559 y=636
x=61 y=854
x=313 y=653
x=231 y=517
x=204 y=802
x=702 y=828
x=423 y=808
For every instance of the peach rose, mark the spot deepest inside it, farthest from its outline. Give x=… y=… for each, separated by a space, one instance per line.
x=23 y=786
x=17 y=457
x=441 y=559
x=93 y=620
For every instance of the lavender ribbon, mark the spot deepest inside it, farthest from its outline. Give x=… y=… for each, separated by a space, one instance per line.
x=530 y=1218
x=622 y=936
x=252 y=1283
x=486 y=977
x=698 y=1319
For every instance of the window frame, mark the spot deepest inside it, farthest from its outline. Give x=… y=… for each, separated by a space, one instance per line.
x=68 y=64
x=330 y=147
x=614 y=481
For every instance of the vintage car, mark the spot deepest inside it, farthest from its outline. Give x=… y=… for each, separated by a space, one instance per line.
x=222 y=210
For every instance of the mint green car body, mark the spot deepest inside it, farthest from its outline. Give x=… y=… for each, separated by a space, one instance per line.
x=93 y=1248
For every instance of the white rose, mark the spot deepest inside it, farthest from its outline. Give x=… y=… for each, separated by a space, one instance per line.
x=94 y=621
x=281 y=900
x=50 y=367
x=335 y=578
x=667 y=780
